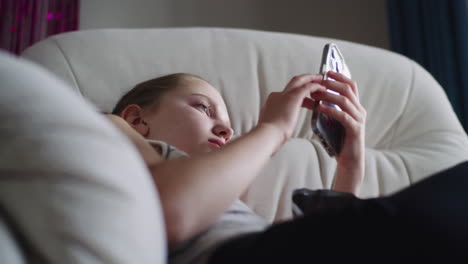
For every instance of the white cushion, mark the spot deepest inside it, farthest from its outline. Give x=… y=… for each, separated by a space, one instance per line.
x=10 y=251
x=411 y=130
x=74 y=186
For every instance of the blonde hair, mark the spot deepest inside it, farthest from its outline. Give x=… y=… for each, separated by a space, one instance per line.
x=148 y=93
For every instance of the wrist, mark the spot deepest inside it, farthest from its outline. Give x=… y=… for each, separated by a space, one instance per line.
x=349 y=177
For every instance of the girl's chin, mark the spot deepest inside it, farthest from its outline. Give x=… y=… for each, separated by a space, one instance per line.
x=201 y=150
x=210 y=147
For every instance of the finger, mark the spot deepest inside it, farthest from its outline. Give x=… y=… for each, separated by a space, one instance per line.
x=345 y=90
x=308 y=103
x=309 y=89
x=344 y=79
x=300 y=80
x=344 y=103
x=346 y=120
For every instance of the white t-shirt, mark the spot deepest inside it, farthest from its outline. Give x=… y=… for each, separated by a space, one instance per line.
x=237 y=220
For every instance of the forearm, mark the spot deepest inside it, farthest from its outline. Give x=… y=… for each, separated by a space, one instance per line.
x=195 y=192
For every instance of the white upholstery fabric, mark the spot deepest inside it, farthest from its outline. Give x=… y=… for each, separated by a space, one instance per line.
x=10 y=251
x=71 y=184
x=411 y=130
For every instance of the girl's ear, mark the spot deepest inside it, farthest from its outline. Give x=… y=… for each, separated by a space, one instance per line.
x=133 y=115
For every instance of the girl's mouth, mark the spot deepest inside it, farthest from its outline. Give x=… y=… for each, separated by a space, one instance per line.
x=216 y=142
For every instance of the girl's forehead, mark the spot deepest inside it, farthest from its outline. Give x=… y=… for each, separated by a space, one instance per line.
x=196 y=86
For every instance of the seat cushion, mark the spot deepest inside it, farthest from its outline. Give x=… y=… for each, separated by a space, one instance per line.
x=73 y=185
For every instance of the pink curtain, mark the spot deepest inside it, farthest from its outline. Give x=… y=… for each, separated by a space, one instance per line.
x=24 y=22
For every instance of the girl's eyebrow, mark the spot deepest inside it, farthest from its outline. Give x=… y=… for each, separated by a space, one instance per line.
x=202 y=95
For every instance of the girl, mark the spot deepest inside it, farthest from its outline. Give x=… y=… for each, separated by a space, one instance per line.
x=206 y=222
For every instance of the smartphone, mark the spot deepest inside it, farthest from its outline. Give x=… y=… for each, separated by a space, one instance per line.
x=330 y=132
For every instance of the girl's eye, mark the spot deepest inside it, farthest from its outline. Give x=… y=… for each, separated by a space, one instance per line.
x=205 y=109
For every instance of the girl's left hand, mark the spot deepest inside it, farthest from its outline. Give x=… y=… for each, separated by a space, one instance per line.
x=353 y=119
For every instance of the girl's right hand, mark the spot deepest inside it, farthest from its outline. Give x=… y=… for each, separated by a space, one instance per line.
x=281 y=109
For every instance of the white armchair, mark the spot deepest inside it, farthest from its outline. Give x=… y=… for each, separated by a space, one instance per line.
x=411 y=129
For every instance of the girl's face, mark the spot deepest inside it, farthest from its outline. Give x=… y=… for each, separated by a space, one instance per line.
x=192 y=117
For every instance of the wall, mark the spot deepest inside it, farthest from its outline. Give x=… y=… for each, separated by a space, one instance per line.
x=363 y=21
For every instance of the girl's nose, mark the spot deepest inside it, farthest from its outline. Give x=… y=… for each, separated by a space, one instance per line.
x=224 y=132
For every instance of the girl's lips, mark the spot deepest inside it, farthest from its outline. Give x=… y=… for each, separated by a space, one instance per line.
x=216 y=142
x=215 y=145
